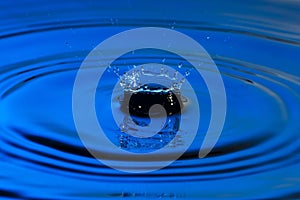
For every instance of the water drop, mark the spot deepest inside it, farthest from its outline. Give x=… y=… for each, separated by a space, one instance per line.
x=173 y=25
x=187 y=73
x=179 y=65
x=116 y=69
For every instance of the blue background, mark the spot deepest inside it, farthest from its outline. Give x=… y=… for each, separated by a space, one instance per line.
x=256 y=46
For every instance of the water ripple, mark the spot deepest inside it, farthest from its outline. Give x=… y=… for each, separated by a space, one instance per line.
x=38 y=133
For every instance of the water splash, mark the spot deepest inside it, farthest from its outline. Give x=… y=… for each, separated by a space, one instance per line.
x=258 y=146
x=132 y=80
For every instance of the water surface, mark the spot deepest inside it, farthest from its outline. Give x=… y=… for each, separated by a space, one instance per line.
x=255 y=45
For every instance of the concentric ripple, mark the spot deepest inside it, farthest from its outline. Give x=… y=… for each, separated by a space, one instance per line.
x=257 y=155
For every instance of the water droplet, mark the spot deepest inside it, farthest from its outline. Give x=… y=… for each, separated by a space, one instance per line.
x=116 y=70
x=179 y=65
x=187 y=73
x=173 y=25
x=113 y=21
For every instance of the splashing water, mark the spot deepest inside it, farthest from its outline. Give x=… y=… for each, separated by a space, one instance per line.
x=130 y=81
x=256 y=46
x=140 y=97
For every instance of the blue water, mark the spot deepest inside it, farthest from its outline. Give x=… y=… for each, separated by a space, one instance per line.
x=256 y=47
